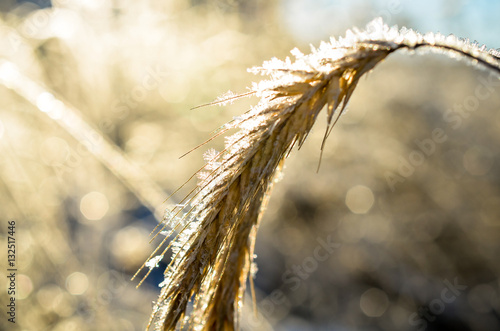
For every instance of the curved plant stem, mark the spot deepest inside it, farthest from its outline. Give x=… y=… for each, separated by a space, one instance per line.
x=213 y=253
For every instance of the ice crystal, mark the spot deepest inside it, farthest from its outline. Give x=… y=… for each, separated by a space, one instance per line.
x=154 y=262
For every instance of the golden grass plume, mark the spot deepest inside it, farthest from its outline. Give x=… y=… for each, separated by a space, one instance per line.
x=215 y=228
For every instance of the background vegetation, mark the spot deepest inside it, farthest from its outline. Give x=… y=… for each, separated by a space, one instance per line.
x=134 y=69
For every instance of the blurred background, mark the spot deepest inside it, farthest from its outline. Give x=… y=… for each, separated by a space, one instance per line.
x=399 y=230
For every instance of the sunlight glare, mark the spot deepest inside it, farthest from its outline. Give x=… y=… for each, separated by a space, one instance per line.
x=64 y=24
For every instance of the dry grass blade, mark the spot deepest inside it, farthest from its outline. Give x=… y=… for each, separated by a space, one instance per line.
x=73 y=121
x=213 y=253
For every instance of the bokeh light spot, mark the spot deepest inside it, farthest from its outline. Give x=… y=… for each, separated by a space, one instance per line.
x=374 y=302
x=25 y=286
x=129 y=247
x=94 y=206
x=8 y=73
x=359 y=199
x=48 y=295
x=77 y=283
x=45 y=101
x=64 y=24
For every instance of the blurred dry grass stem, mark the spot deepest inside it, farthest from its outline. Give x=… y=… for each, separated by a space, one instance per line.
x=72 y=121
x=213 y=250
